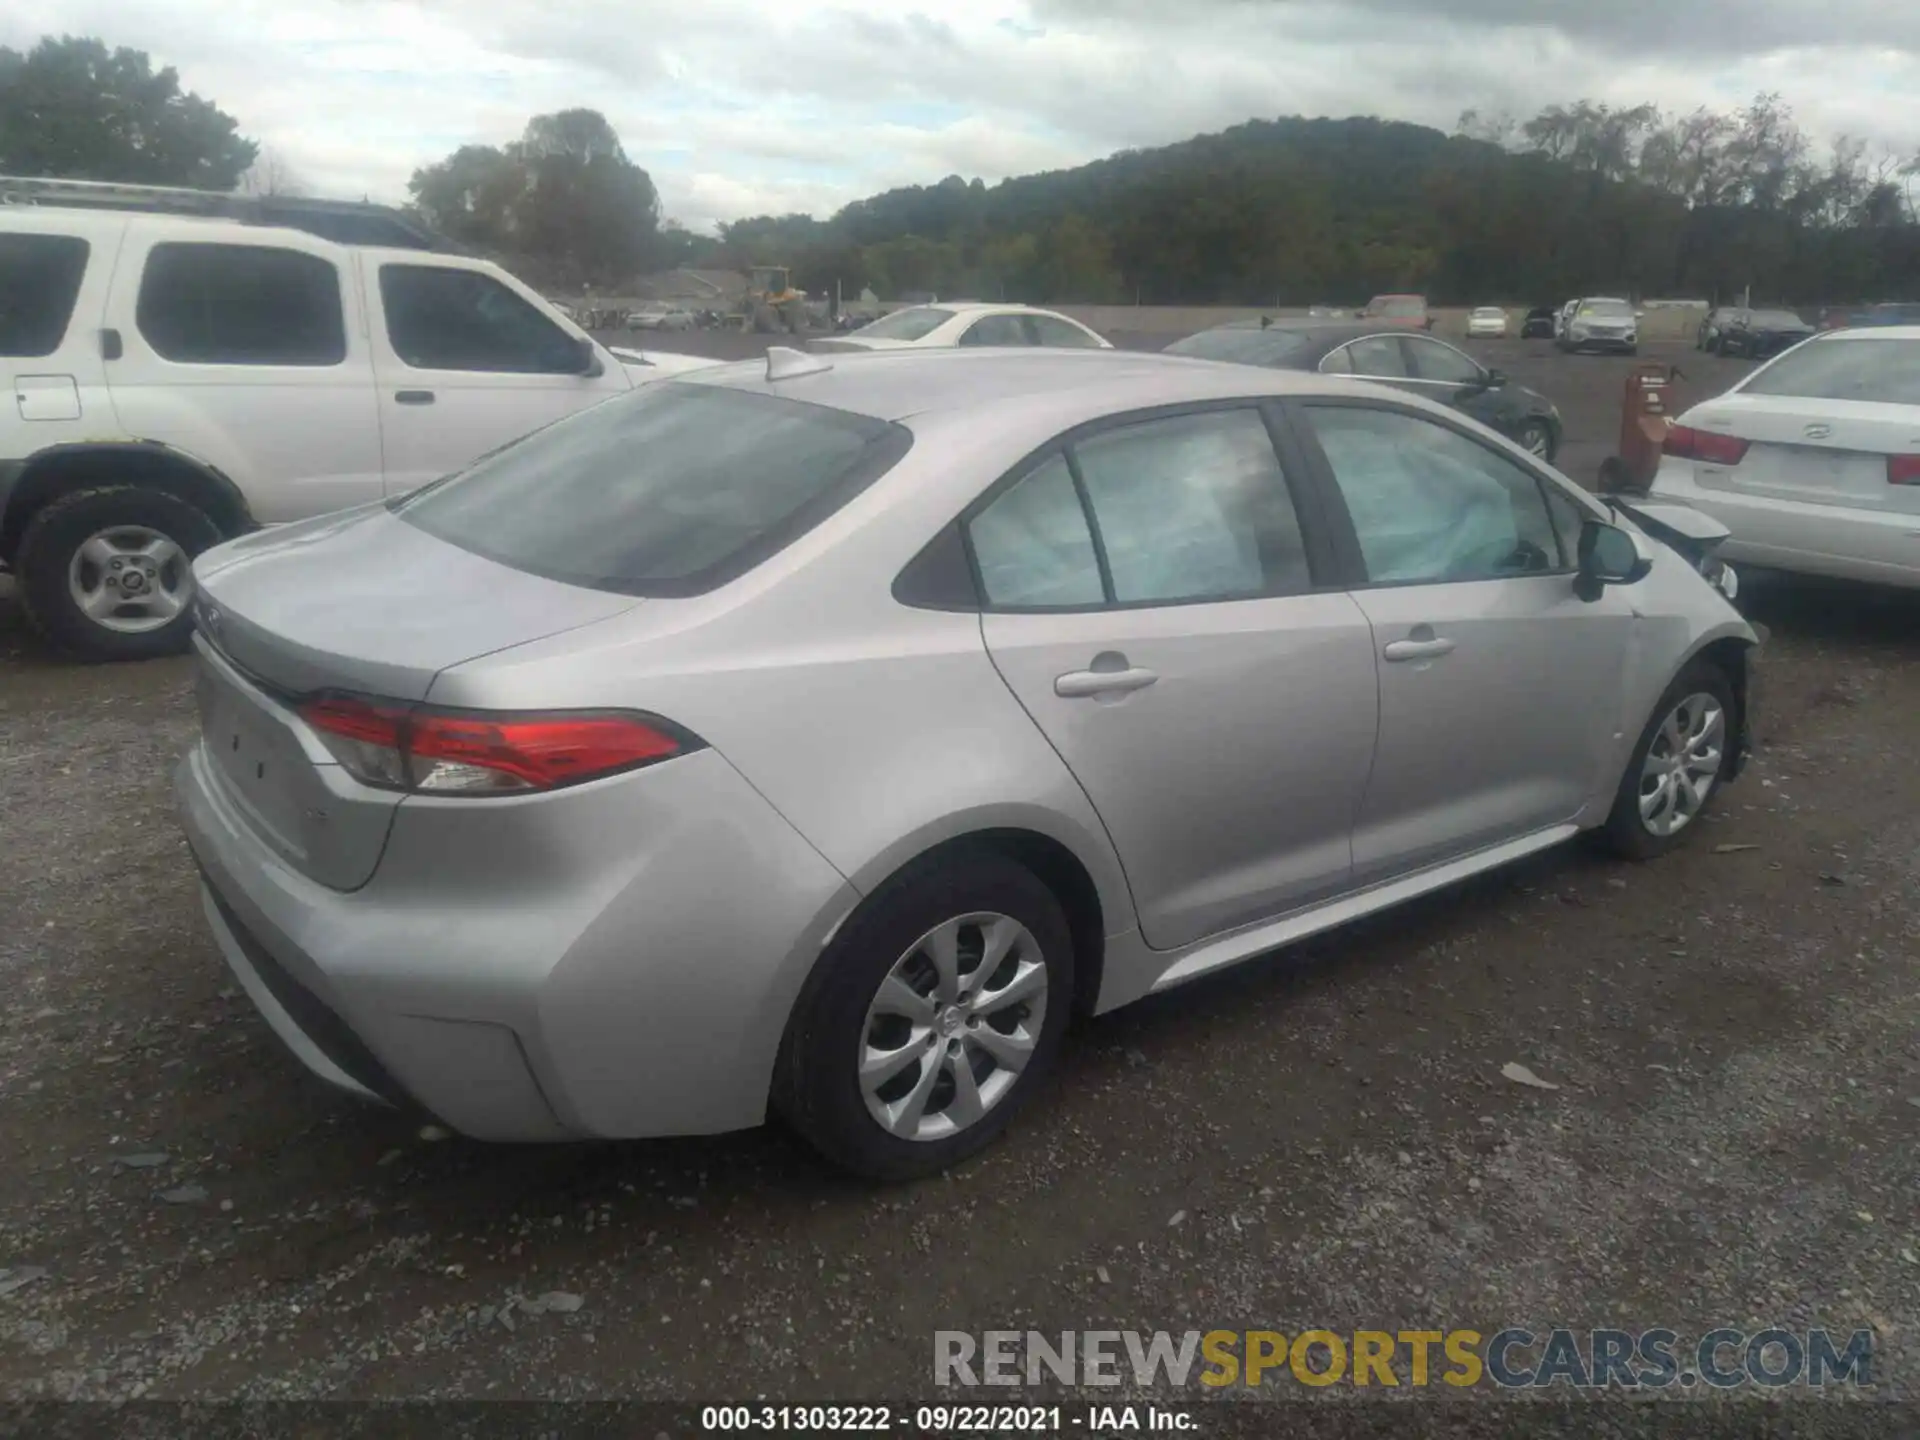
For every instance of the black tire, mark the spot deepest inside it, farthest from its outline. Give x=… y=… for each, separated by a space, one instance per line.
x=1536 y=430
x=55 y=534
x=1626 y=833
x=817 y=1086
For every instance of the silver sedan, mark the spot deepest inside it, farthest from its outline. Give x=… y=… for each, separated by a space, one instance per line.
x=818 y=735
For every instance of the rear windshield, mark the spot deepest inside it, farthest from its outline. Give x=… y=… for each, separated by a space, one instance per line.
x=1249 y=347
x=1777 y=319
x=1607 y=309
x=908 y=324
x=1399 y=306
x=668 y=491
x=1859 y=368
x=39 y=280
x=1489 y=312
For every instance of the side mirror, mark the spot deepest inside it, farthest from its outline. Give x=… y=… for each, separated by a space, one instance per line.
x=587 y=359
x=1608 y=555
x=1494 y=379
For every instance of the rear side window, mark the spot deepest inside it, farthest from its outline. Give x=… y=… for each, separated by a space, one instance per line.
x=1051 y=330
x=241 y=305
x=442 y=318
x=1883 y=371
x=671 y=490
x=39 y=280
x=995 y=330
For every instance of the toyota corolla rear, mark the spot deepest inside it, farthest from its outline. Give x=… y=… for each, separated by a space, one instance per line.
x=1813 y=462
x=505 y=913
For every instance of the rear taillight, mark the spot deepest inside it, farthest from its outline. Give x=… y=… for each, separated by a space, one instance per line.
x=1686 y=443
x=466 y=752
x=1903 y=469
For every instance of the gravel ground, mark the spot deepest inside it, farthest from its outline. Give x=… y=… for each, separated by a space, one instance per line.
x=1322 y=1139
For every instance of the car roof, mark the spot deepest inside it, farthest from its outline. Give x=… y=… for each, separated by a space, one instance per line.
x=1086 y=384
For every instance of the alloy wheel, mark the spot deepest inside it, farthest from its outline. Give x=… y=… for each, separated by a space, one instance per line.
x=1682 y=764
x=130 y=579
x=952 y=1026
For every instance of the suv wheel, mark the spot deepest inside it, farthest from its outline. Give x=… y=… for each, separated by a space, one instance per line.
x=932 y=1018
x=108 y=573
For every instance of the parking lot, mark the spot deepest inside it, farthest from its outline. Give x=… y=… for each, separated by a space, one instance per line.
x=1321 y=1139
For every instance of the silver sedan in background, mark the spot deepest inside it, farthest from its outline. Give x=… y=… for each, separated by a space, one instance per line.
x=818 y=735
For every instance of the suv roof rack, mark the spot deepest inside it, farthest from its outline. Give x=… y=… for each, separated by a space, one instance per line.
x=346 y=222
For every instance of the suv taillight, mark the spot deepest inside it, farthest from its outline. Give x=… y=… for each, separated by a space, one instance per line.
x=471 y=752
x=1903 y=469
x=1685 y=443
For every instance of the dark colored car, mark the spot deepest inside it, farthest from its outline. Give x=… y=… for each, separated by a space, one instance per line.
x=1389 y=355
x=1708 y=336
x=1760 y=334
x=1539 y=323
x=1894 y=312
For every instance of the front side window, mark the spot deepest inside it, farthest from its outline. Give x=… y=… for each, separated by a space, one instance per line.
x=211 y=304
x=1428 y=504
x=1433 y=360
x=1033 y=544
x=995 y=330
x=666 y=491
x=1860 y=367
x=441 y=318
x=1379 y=356
x=1193 y=507
x=1060 y=334
x=39 y=281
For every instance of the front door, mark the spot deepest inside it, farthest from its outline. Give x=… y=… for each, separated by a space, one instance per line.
x=1499 y=687
x=1217 y=710
x=465 y=363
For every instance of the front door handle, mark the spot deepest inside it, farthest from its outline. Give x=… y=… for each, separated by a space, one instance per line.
x=1076 y=684
x=414 y=397
x=1417 y=649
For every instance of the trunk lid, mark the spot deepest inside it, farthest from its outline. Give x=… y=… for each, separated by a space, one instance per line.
x=1815 y=451
x=363 y=602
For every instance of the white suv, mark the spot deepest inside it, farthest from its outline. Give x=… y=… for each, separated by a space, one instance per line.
x=179 y=379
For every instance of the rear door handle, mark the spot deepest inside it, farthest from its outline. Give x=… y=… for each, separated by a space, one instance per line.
x=1076 y=684
x=414 y=397
x=1416 y=649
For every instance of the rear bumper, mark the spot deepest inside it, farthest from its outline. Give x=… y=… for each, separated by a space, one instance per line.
x=1844 y=542
x=617 y=960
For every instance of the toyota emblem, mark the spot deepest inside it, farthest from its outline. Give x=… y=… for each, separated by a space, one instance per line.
x=1817 y=432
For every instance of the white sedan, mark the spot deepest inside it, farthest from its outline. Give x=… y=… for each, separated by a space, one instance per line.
x=1813 y=460
x=1489 y=322
x=934 y=327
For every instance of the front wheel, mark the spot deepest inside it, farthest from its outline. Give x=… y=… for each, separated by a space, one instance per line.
x=1536 y=438
x=1676 y=767
x=931 y=1020
x=108 y=573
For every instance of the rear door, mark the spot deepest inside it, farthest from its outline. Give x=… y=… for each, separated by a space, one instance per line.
x=53 y=286
x=466 y=360
x=1151 y=599
x=1499 y=688
x=251 y=357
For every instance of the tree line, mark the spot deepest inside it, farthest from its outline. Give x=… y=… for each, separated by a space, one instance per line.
x=1581 y=198
x=1578 y=198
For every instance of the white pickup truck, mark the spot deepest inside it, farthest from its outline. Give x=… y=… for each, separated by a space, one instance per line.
x=178 y=379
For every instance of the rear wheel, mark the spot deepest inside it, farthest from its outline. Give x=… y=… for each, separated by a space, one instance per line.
x=108 y=573
x=931 y=1020
x=1676 y=767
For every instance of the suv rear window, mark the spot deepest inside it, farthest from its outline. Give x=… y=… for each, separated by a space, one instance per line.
x=39 y=280
x=1858 y=368
x=206 y=304
x=672 y=490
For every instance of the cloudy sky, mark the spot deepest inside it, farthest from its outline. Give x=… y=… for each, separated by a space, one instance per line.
x=740 y=107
